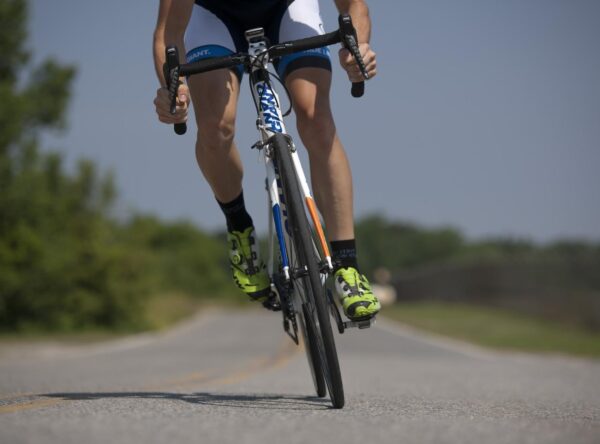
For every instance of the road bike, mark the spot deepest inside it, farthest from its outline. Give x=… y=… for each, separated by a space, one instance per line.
x=299 y=262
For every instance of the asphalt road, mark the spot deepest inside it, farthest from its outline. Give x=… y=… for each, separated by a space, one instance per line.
x=230 y=377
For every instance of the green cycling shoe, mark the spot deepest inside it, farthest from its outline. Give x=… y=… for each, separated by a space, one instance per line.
x=249 y=271
x=358 y=301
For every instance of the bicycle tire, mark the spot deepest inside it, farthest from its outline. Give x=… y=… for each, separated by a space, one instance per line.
x=315 y=296
x=312 y=353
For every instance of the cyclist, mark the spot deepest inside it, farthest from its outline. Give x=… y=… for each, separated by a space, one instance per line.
x=208 y=28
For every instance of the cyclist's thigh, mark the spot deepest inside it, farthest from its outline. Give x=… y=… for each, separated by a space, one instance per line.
x=215 y=93
x=302 y=19
x=214 y=96
x=309 y=88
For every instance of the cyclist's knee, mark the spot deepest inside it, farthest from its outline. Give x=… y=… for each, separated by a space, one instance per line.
x=214 y=96
x=315 y=125
x=215 y=134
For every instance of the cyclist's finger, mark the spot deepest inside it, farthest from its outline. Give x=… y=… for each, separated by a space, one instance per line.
x=166 y=112
x=356 y=77
x=346 y=59
x=163 y=99
x=161 y=104
x=165 y=116
x=183 y=96
x=372 y=68
x=350 y=64
x=162 y=96
x=172 y=118
x=369 y=57
x=163 y=110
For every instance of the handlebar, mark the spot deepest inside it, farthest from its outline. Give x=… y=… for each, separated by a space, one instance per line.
x=346 y=34
x=172 y=72
x=350 y=41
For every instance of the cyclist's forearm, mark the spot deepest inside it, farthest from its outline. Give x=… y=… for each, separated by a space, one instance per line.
x=160 y=43
x=159 y=58
x=173 y=16
x=359 y=11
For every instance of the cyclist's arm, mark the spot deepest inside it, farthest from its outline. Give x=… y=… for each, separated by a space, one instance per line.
x=173 y=17
x=359 y=11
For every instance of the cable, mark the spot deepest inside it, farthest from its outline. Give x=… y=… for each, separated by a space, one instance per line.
x=258 y=62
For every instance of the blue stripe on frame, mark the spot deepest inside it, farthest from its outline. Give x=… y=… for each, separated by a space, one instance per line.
x=279 y=230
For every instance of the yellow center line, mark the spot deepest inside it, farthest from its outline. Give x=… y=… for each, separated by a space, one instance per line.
x=16 y=395
x=35 y=404
x=257 y=366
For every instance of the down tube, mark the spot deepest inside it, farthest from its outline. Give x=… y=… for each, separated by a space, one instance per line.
x=276 y=214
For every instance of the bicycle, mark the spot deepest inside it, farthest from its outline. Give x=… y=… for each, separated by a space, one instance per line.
x=299 y=259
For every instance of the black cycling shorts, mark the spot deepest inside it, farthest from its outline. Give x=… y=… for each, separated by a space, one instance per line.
x=217 y=27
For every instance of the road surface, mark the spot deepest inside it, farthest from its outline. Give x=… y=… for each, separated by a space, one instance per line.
x=233 y=377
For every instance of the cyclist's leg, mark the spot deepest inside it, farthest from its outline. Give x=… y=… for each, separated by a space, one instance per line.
x=330 y=169
x=308 y=77
x=332 y=182
x=214 y=97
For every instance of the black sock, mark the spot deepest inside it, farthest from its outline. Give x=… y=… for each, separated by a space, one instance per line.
x=236 y=215
x=344 y=253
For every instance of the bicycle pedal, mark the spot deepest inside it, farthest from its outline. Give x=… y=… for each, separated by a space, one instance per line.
x=367 y=323
x=272 y=303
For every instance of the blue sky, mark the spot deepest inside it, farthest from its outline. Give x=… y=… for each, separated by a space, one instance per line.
x=485 y=115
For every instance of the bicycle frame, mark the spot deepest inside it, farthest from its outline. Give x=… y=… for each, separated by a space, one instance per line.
x=270 y=122
x=300 y=276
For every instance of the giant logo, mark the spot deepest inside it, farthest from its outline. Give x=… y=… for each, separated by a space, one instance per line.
x=269 y=108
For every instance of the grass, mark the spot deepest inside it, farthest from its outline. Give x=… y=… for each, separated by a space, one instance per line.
x=496 y=328
x=161 y=311
x=164 y=310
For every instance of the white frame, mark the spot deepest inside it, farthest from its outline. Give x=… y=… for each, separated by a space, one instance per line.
x=270 y=122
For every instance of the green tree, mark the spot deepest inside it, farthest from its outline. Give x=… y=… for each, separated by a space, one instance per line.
x=400 y=245
x=59 y=264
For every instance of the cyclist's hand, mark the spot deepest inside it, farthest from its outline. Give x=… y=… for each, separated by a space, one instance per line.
x=162 y=103
x=351 y=67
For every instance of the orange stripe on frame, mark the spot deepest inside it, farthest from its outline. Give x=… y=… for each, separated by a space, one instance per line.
x=312 y=209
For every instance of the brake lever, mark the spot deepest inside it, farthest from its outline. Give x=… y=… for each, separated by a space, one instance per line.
x=171 y=73
x=350 y=41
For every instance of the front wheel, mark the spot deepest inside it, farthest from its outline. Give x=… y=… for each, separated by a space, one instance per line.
x=309 y=334
x=308 y=285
